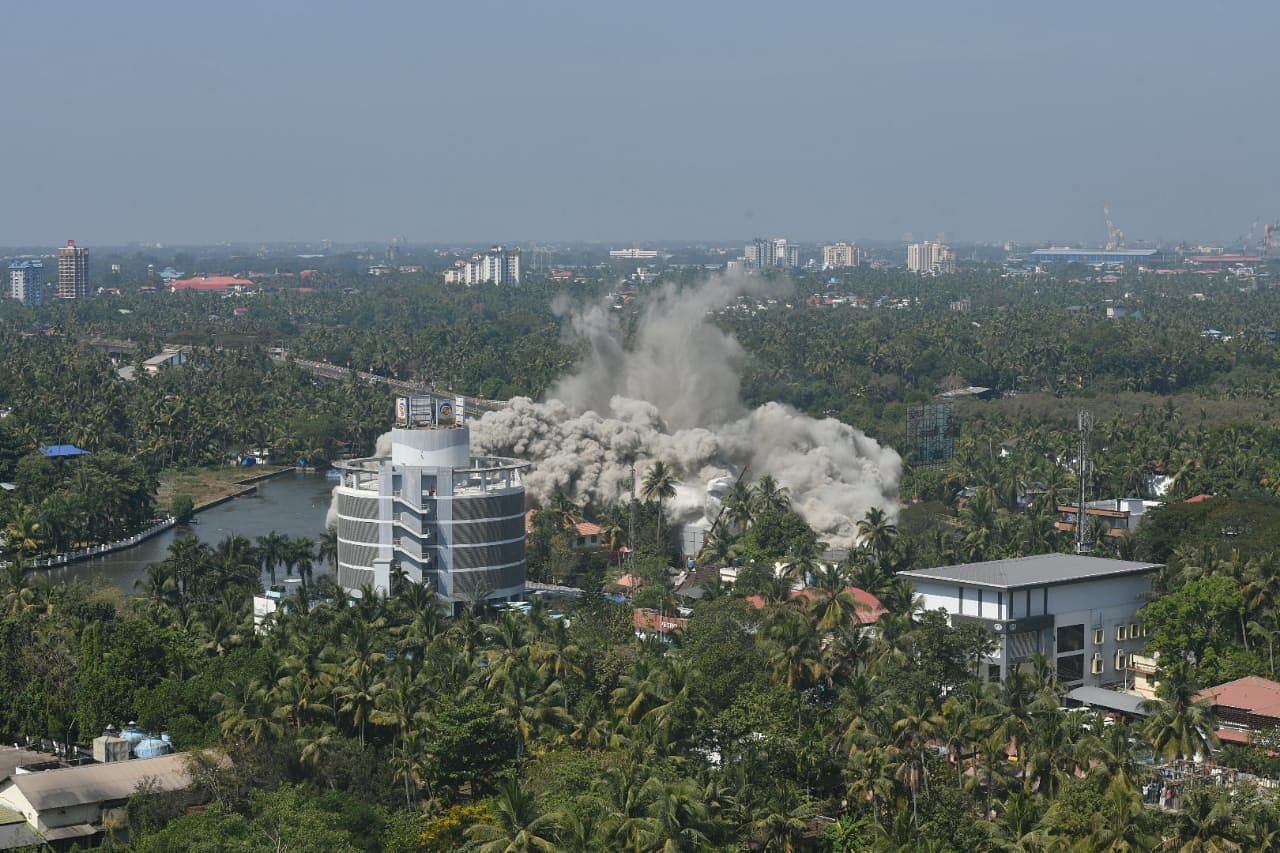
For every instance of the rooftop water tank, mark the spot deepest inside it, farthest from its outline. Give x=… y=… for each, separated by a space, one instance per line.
x=152 y=747
x=133 y=734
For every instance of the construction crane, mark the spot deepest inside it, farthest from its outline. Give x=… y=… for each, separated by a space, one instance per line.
x=1115 y=237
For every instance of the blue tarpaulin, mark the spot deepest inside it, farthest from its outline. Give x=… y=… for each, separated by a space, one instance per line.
x=57 y=451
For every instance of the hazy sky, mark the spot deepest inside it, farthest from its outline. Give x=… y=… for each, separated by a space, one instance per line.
x=476 y=121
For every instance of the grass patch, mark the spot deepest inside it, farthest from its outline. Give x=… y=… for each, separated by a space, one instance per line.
x=206 y=485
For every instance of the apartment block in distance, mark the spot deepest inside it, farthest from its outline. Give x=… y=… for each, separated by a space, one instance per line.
x=26 y=281
x=930 y=258
x=839 y=256
x=498 y=265
x=73 y=271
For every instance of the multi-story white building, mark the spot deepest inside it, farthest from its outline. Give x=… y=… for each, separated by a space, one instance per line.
x=636 y=254
x=930 y=257
x=432 y=512
x=26 y=281
x=1078 y=611
x=839 y=256
x=775 y=252
x=498 y=265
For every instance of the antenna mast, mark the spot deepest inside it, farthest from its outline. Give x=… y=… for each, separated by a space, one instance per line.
x=1084 y=530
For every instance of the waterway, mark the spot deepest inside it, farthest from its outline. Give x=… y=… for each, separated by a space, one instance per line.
x=293 y=504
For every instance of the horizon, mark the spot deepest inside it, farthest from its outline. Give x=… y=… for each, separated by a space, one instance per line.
x=302 y=122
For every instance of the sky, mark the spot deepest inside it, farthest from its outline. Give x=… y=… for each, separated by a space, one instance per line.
x=477 y=122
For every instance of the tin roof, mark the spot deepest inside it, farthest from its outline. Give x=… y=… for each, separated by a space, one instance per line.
x=1039 y=570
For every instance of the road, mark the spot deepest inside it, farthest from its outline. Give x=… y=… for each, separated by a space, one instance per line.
x=325 y=370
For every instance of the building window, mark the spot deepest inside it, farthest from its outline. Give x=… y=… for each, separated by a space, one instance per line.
x=1071 y=668
x=1070 y=638
x=1099 y=636
x=1122 y=632
x=993 y=672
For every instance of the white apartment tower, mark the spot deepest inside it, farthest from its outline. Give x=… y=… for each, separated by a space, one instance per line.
x=776 y=252
x=930 y=257
x=499 y=266
x=26 y=282
x=839 y=256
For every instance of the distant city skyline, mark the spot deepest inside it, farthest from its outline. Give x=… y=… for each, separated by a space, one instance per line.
x=593 y=122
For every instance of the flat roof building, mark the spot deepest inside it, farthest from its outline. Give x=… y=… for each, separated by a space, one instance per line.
x=1093 y=256
x=77 y=802
x=1078 y=611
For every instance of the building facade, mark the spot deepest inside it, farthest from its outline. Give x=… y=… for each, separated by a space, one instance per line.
x=73 y=271
x=1079 y=612
x=498 y=265
x=26 y=282
x=930 y=257
x=839 y=256
x=774 y=252
x=432 y=512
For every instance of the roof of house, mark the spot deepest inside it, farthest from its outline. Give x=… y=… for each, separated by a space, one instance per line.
x=644 y=619
x=1256 y=695
x=868 y=614
x=1040 y=570
x=100 y=783
x=209 y=282
x=13 y=757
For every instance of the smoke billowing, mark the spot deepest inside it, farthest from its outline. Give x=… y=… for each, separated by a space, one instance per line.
x=674 y=395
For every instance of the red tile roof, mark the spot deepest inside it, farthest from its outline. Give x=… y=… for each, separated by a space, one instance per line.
x=1256 y=695
x=868 y=614
x=649 y=621
x=1200 y=498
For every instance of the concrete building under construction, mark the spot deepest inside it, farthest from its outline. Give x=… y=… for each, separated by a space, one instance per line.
x=431 y=512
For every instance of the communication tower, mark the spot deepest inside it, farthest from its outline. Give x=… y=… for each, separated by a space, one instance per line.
x=1084 y=468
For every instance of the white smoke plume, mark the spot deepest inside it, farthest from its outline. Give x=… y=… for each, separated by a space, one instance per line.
x=674 y=395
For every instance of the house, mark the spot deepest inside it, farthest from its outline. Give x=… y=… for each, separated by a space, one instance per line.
x=1119 y=516
x=869 y=611
x=209 y=283
x=167 y=357
x=78 y=803
x=585 y=535
x=1078 y=611
x=1243 y=706
x=651 y=622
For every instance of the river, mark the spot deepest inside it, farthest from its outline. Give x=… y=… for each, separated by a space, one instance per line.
x=293 y=504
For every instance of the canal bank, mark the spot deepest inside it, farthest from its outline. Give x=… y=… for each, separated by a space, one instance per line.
x=288 y=502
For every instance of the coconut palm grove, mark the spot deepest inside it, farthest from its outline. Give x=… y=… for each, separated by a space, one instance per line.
x=803 y=699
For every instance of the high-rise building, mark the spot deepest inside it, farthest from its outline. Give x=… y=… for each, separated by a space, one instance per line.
x=839 y=255
x=432 y=513
x=73 y=271
x=499 y=265
x=777 y=252
x=930 y=257
x=26 y=281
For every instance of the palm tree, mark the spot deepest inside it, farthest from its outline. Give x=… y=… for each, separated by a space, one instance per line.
x=271 y=552
x=659 y=485
x=876 y=532
x=1204 y=824
x=516 y=827
x=327 y=549
x=770 y=497
x=1179 y=725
